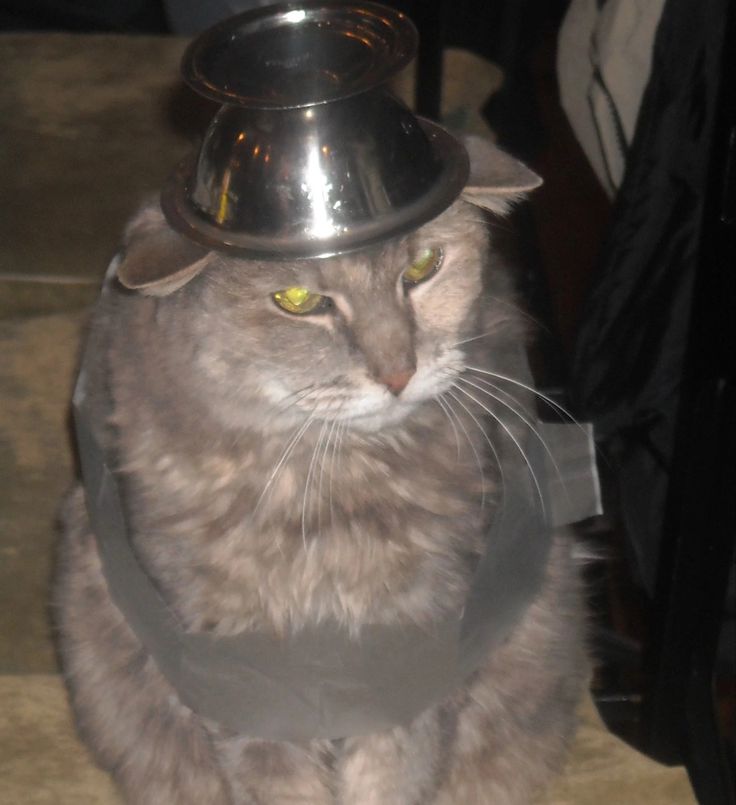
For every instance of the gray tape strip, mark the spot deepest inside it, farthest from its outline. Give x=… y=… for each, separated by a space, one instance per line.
x=572 y=474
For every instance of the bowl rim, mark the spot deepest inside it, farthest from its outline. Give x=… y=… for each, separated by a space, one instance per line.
x=452 y=178
x=402 y=49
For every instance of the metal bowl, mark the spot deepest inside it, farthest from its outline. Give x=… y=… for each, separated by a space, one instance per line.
x=309 y=157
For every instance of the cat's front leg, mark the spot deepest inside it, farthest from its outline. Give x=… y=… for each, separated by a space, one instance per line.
x=399 y=767
x=508 y=766
x=269 y=773
x=519 y=711
x=155 y=748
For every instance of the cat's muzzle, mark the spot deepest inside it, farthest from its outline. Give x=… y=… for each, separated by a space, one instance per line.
x=309 y=156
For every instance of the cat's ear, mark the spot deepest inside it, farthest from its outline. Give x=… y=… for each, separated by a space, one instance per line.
x=156 y=260
x=496 y=180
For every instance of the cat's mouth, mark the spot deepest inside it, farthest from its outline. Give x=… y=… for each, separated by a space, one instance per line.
x=367 y=404
x=378 y=408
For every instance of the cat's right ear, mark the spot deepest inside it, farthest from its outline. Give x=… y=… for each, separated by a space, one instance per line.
x=497 y=180
x=156 y=260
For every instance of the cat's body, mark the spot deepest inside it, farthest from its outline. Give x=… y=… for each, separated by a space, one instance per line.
x=284 y=469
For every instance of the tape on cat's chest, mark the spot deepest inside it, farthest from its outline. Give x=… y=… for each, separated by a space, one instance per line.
x=321 y=683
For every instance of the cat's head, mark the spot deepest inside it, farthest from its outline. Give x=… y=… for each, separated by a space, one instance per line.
x=366 y=337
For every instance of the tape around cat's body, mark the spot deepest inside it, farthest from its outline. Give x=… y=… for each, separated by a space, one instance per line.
x=321 y=682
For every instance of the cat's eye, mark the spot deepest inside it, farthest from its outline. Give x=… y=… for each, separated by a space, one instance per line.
x=425 y=266
x=300 y=300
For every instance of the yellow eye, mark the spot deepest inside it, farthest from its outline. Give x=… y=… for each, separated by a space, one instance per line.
x=300 y=300
x=423 y=267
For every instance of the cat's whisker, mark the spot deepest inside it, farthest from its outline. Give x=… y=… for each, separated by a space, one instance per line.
x=506 y=303
x=499 y=224
x=472 y=338
x=479 y=424
x=552 y=403
x=508 y=396
x=308 y=481
x=296 y=396
x=516 y=408
x=297 y=435
x=472 y=446
x=322 y=462
x=323 y=401
x=439 y=399
x=528 y=422
x=513 y=438
x=346 y=428
x=561 y=410
x=341 y=428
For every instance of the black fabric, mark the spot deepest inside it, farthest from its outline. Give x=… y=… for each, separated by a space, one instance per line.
x=627 y=361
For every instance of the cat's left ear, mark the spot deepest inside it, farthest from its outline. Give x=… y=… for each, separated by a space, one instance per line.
x=497 y=180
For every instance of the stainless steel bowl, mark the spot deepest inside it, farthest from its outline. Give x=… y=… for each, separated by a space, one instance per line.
x=309 y=156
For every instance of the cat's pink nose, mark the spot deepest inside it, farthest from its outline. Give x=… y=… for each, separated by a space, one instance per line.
x=396 y=382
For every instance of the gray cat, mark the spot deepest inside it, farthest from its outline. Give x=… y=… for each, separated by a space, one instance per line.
x=304 y=441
